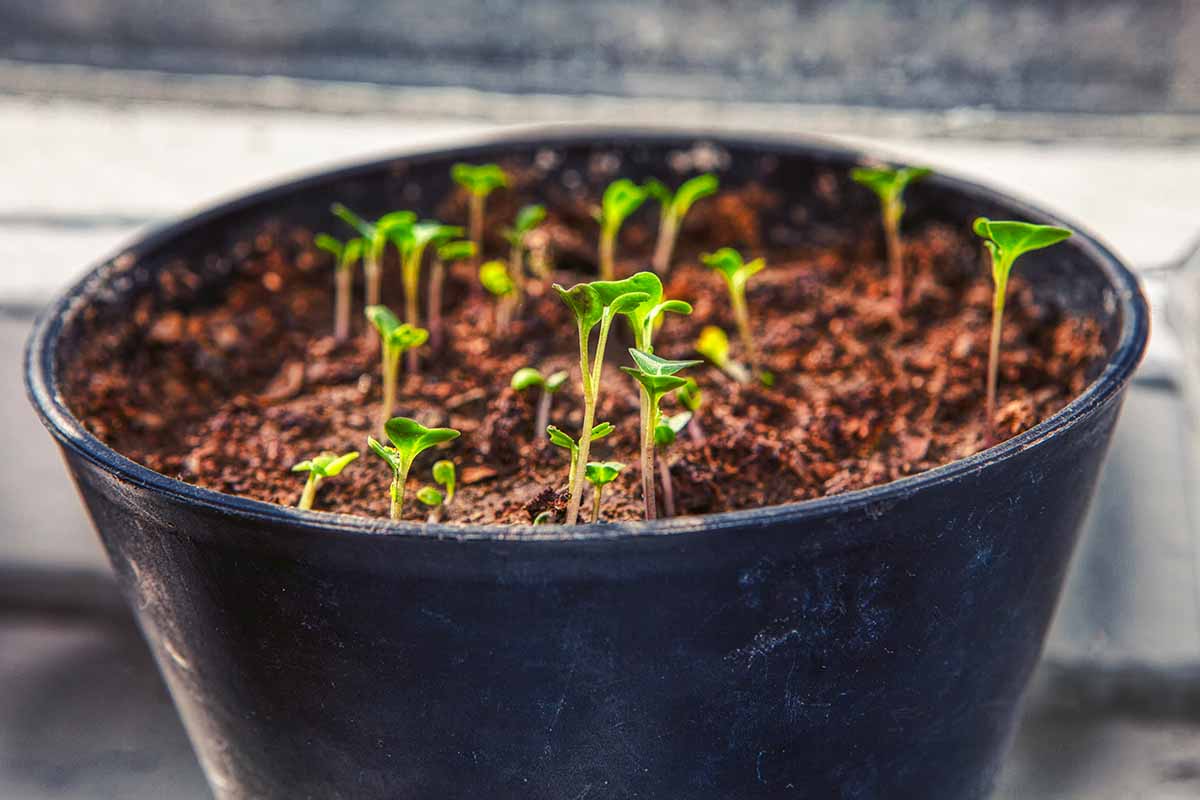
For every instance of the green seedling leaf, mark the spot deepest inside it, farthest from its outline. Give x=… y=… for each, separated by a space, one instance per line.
x=544 y=518
x=668 y=429
x=584 y=304
x=444 y=474
x=495 y=278
x=365 y=229
x=733 y=269
x=713 y=344
x=462 y=250
x=556 y=381
x=329 y=244
x=326 y=465
x=527 y=378
x=430 y=496
x=690 y=395
x=479 y=179
x=528 y=218
x=601 y=473
x=654 y=365
x=390 y=456
x=888 y=183
x=422 y=234
x=395 y=334
x=621 y=198
x=410 y=438
x=692 y=190
x=559 y=438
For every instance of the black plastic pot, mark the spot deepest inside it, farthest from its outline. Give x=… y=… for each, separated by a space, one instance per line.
x=873 y=644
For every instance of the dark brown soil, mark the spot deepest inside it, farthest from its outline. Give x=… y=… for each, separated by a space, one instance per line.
x=229 y=396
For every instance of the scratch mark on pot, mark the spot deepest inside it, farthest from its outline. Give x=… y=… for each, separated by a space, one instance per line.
x=758 y=766
x=437 y=616
x=587 y=789
x=562 y=700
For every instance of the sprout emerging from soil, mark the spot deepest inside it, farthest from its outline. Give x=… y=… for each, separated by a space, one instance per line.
x=621 y=198
x=344 y=254
x=543 y=518
x=658 y=377
x=479 y=181
x=495 y=278
x=691 y=398
x=376 y=235
x=713 y=344
x=599 y=474
x=326 y=465
x=412 y=242
x=737 y=274
x=674 y=208
x=446 y=254
x=529 y=378
x=890 y=184
x=560 y=438
x=436 y=499
x=1006 y=241
x=397 y=338
x=593 y=304
x=409 y=439
x=665 y=434
x=528 y=219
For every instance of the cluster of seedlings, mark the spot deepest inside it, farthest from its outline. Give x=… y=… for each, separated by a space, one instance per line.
x=636 y=301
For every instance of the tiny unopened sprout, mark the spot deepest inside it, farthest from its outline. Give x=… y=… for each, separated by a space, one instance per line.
x=713 y=344
x=495 y=278
x=674 y=208
x=411 y=241
x=344 y=254
x=444 y=474
x=558 y=438
x=1006 y=241
x=692 y=398
x=665 y=434
x=737 y=274
x=599 y=474
x=658 y=378
x=396 y=338
x=479 y=181
x=889 y=184
x=528 y=218
x=446 y=254
x=527 y=378
x=409 y=439
x=544 y=518
x=326 y=465
x=376 y=235
x=593 y=304
x=427 y=495
x=621 y=198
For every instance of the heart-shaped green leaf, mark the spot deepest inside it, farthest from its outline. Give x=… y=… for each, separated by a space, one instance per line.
x=410 y=438
x=621 y=198
x=584 y=303
x=600 y=473
x=693 y=190
x=479 y=179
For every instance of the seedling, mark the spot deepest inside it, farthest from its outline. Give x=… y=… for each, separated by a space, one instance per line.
x=890 y=184
x=621 y=198
x=713 y=344
x=737 y=274
x=396 y=338
x=559 y=438
x=528 y=218
x=446 y=254
x=665 y=434
x=376 y=236
x=495 y=278
x=1006 y=241
x=479 y=181
x=599 y=474
x=527 y=378
x=326 y=465
x=692 y=398
x=436 y=499
x=658 y=377
x=412 y=242
x=544 y=518
x=674 y=208
x=409 y=439
x=344 y=254
x=593 y=304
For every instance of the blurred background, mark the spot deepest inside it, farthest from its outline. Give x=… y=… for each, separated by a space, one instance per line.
x=118 y=115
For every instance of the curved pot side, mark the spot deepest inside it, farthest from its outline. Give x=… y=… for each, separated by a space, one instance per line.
x=871 y=647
